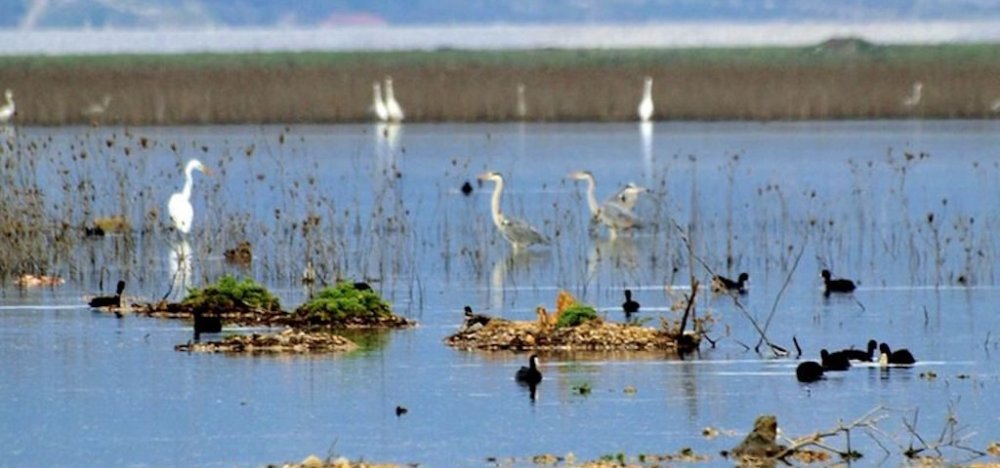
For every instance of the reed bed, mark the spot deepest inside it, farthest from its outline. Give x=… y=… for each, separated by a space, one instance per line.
x=824 y=82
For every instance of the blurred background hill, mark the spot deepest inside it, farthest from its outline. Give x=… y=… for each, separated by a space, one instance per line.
x=31 y=14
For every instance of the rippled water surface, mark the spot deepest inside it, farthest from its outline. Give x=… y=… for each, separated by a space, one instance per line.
x=908 y=209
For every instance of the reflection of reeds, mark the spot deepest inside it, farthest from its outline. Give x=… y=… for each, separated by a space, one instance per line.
x=761 y=84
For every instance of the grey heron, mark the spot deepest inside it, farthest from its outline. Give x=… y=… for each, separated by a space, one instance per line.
x=395 y=112
x=520 y=234
x=612 y=214
x=628 y=196
x=646 y=104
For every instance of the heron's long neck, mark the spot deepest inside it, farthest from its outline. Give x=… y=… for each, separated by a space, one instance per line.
x=376 y=95
x=389 y=95
x=188 y=182
x=495 y=204
x=591 y=198
x=647 y=92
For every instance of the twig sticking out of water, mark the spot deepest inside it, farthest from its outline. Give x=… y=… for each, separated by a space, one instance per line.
x=952 y=436
x=868 y=421
x=762 y=332
x=777 y=298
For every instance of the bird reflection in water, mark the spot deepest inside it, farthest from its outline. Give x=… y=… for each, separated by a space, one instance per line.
x=518 y=262
x=619 y=252
x=179 y=263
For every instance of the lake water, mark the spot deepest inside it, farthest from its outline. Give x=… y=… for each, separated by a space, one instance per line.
x=778 y=200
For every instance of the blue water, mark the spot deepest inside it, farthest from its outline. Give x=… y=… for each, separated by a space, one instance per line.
x=80 y=386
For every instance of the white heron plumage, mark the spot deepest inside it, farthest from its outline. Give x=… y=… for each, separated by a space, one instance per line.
x=378 y=105
x=179 y=207
x=646 y=104
x=612 y=214
x=518 y=233
x=394 y=110
x=522 y=104
x=96 y=109
x=913 y=100
x=8 y=109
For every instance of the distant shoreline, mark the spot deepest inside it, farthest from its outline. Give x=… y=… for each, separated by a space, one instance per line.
x=838 y=79
x=370 y=38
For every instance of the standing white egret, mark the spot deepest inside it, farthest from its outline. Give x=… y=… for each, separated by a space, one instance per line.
x=612 y=214
x=378 y=105
x=7 y=110
x=913 y=100
x=179 y=206
x=646 y=104
x=519 y=233
x=395 y=112
x=522 y=105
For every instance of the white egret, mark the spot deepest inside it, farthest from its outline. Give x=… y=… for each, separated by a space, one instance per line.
x=612 y=214
x=913 y=100
x=378 y=105
x=646 y=104
x=179 y=206
x=395 y=112
x=8 y=109
x=522 y=105
x=97 y=109
x=519 y=233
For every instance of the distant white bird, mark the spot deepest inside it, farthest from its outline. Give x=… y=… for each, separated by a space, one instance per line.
x=7 y=110
x=646 y=104
x=995 y=105
x=97 y=109
x=612 y=214
x=522 y=105
x=179 y=206
x=395 y=112
x=378 y=105
x=519 y=233
x=913 y=100
x=628 y=196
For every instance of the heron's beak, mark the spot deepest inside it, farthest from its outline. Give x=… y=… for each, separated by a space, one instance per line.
x=206 y=171
x=484 y=176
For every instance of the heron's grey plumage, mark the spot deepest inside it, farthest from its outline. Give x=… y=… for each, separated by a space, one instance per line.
x=518 y=233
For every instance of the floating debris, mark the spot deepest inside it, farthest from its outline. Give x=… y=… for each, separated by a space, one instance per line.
x=288 y=341
x=573 y=326
x=502 y=334
x=28 y=281
x=242 y=254
x=312 y=461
